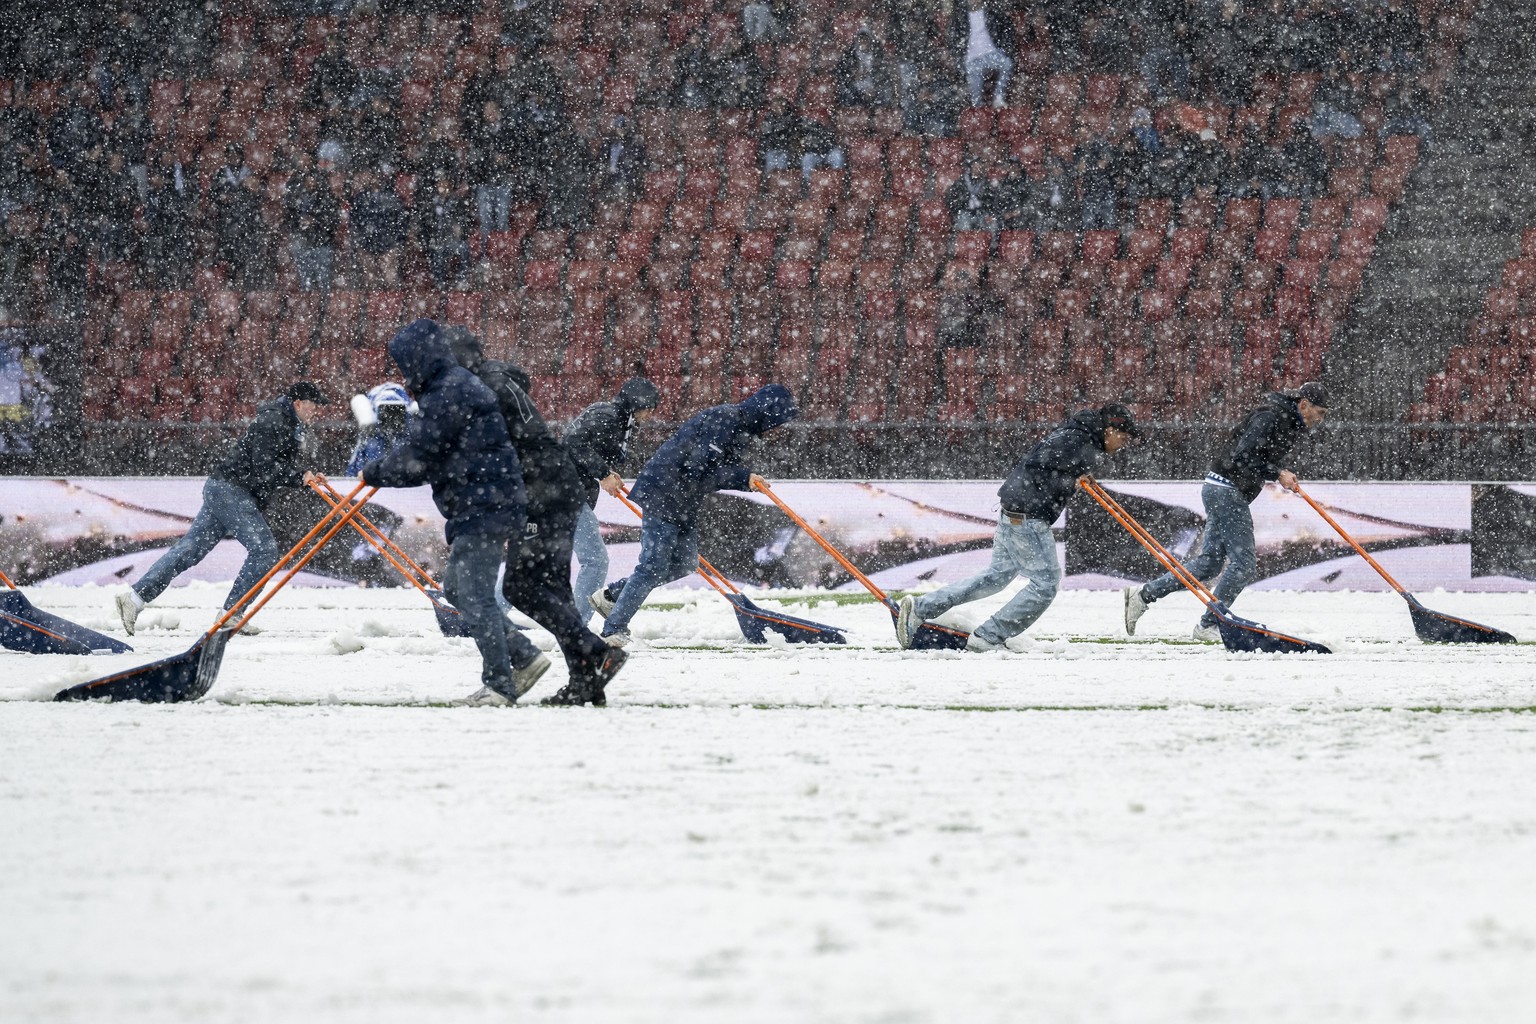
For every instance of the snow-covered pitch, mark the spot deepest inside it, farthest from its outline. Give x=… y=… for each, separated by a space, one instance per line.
x=1088 y=829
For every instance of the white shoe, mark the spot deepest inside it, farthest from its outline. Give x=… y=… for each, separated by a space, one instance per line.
x=524 y=678
x=1135 y=607
x=128 y=604
x=1207 y=634
x=617 y=639
x=485 y=697
x=600 y=602
x=977 y=645
x=906 y=621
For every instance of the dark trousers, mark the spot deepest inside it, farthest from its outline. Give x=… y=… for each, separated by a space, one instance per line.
x=538 y=581
x=469 y=583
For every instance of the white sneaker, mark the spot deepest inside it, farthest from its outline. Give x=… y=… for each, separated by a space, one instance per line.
x=485 y=697
x=128 y=604
x=976 y=644
x=1135 y=607
x=524 y=678
x=617 y=639
x=1207 y=634
x=906 y=621
x=600 y=602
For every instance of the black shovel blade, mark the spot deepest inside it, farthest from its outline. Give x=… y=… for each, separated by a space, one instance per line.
x=25 y=627
x=182 y=677
x=449 y=620
x=933 y=637
x=755 y=621
x=1240 y=634
x=1435 y=628
x=19 y=634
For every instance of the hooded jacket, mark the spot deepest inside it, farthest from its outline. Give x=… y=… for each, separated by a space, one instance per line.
x=551 y=478
x=457 y=443
x=598 y=438
x=268 y=454
x=1045 y=480
x=1260 y=444
x=707 y=454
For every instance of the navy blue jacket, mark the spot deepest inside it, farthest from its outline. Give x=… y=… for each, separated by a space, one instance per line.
x=267 y=456
x=1044 y=480
x=708 y=454
x=458 y=443
x=1260 y=444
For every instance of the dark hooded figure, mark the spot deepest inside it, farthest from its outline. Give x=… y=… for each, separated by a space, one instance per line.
x=1256 y=454
x=458 y=443
x=538 y=577
x=707 y=454
x=1032 y=497
x=598 y=439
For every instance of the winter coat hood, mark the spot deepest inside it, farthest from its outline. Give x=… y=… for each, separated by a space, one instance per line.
x=421 y=351
x=465 y=346
x=771 y=405
x=1285 y=404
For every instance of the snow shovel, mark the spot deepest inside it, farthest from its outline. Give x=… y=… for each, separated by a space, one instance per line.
x=752 y=619
x=1431 y=626
x=25 y=627
x=1237 y=633
x=449 y=621
x=929 y=637
x=189 y=675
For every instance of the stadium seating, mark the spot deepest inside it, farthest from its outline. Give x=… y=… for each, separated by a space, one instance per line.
x=673 y=276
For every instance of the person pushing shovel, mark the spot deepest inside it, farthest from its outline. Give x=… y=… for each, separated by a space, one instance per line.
x=270 y=454
x=1255 y=454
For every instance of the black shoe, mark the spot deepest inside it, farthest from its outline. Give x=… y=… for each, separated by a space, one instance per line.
x=589 y=688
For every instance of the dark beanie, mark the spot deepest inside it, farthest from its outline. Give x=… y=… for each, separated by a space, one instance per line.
x=639 y=393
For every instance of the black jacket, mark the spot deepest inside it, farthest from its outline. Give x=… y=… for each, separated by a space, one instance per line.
x=1260 y=444
x=598 y=440
x=458 y=443
x=268 y=455
x=551 y=478
x=1044 y=480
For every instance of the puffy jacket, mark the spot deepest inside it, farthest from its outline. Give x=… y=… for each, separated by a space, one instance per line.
x=1260 y=444
x=1044 y=480
x=707 y=454
x=457 y=443
x=269 y=453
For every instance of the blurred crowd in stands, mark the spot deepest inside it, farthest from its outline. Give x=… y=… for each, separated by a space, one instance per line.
x=361 y=181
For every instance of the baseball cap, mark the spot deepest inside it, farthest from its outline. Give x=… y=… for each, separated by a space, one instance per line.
x=1118 y=417
x=1315 y=393
x=307 y=391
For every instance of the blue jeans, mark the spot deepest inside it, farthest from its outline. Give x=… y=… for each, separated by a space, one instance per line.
x=469 y=584
x=667 y=552
x=1228 y=540
x=492 y=205
x=313 y=265
x=228 y=511
x=976 y=69
x=591 y=555
x=1027 y=550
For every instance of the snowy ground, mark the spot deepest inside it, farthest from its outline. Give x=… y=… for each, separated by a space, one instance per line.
x=1081 y=831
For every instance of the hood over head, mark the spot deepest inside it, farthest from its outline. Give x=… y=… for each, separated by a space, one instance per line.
x=770 y=406
x=465 y=346
x=421 y=352
x=638 y=394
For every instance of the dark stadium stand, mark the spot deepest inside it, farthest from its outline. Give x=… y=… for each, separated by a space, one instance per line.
x=718 y=276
